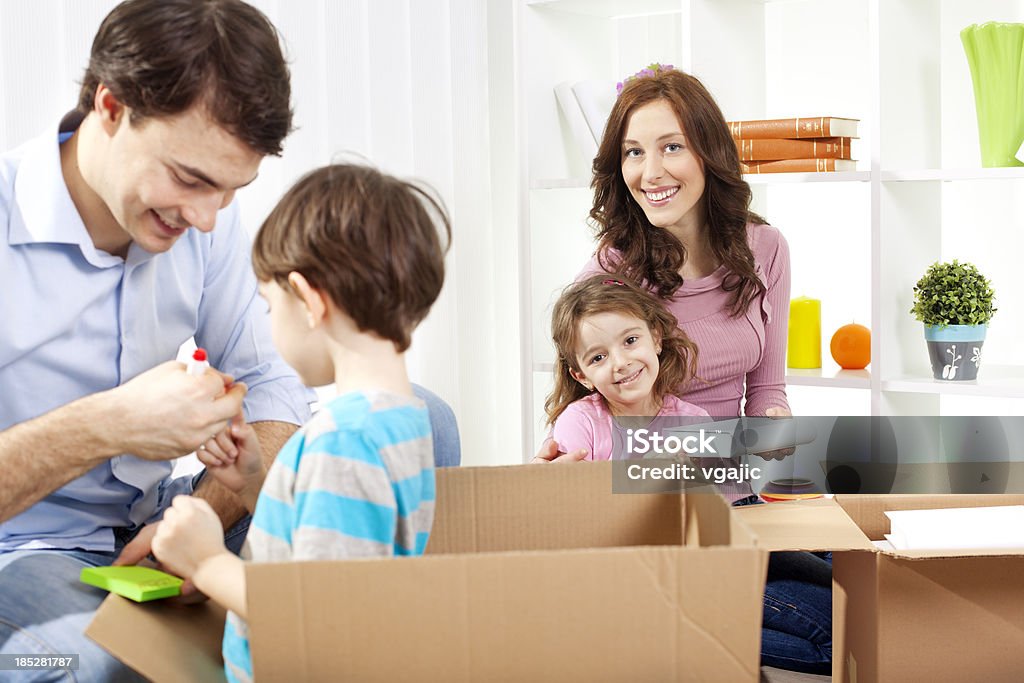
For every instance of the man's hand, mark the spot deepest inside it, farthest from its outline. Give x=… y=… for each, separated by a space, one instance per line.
x=166 y=413
x=138 y=548
x=549 y=453
x=137 y=551
x=161 y=414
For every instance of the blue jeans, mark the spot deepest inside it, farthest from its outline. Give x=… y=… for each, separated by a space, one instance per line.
x=796 y=622
x=796 y=627
x=447 y=448
x=44 y=609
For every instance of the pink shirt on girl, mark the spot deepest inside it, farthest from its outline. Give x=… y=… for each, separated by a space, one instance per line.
x=587 y=423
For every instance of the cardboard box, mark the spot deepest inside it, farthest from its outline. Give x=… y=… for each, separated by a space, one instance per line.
x=907 y=615
x=534 y=573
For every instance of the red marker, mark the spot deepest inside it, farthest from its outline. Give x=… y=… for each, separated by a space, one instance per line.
x=197 y=364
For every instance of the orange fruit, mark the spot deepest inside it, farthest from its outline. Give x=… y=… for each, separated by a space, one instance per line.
x=851 y=346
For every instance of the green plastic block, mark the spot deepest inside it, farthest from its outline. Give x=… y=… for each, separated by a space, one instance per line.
x=135 y=583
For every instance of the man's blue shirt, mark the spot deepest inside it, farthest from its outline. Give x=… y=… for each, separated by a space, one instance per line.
x=75 y=321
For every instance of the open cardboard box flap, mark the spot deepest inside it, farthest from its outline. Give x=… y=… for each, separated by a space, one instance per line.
x=868 y=511
x=489 y=509
x=536 y=573
x=167 y=643
x=851 y=522
x=898 y=616
x=908 y=611
x=819 y=524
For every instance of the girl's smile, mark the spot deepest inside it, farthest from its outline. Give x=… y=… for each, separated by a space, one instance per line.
x=618 y=357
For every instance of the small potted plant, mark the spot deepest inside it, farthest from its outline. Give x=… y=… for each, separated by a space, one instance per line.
x=954 y=301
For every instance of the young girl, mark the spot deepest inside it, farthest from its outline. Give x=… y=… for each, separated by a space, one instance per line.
x=622 y=361
x=349 y=262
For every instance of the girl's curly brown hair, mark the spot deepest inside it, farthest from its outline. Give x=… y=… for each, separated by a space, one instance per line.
x=614 y=294
x=653 y=255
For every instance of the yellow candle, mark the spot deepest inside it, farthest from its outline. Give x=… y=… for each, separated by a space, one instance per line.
x=804 y=349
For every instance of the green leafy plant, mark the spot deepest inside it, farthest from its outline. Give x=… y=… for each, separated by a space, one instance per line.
x=953 y=294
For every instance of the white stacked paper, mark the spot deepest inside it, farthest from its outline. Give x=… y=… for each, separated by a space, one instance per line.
x=585 y=106
x=578 y=128
x=957 y=528
x=596 y=99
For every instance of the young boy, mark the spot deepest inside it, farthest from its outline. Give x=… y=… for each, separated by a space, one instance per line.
x=349 y=262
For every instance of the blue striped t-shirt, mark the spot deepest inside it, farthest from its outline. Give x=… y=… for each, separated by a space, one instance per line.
x=356 y=481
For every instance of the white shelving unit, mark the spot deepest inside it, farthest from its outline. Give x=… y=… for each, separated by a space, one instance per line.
x=859 y=240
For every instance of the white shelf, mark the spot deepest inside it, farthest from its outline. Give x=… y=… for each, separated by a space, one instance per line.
x=824 y=177
x=919 y=194
x=902 y=176
x=610 y=8
x=751 y=178
x=950 y=175
x=836 y=379
x=999 y=381
x=620 y=8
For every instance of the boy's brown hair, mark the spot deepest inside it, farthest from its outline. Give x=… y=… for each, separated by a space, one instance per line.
x=606 y=293
x=365 y=239
x=160 y=57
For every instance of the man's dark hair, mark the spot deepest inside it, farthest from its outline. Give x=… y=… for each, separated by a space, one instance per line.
x=160 y=57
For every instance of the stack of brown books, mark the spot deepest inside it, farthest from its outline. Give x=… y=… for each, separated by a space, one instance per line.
x=795 y=145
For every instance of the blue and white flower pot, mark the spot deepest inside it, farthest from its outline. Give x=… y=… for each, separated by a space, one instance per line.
x=955 y=350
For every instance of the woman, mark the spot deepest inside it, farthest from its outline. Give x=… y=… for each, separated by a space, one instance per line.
x=672 y=212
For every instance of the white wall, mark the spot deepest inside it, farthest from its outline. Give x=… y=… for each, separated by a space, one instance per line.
x=401 y=82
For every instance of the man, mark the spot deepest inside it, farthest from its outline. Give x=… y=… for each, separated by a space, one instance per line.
x=108 y=263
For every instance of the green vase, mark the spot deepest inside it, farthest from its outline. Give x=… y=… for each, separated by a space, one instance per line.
x=995 y=53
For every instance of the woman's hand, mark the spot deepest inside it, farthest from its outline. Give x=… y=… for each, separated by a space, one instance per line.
x=777 y=413
x=549 y=453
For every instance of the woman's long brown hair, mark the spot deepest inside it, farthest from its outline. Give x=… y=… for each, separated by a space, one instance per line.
x=653 y=255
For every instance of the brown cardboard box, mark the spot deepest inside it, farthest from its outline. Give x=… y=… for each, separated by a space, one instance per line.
x=909 y=615
x=533 y=573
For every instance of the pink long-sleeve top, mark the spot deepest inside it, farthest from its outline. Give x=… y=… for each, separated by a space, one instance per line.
x=738 y=357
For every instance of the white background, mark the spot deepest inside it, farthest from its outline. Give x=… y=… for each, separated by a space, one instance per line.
x=403 y=83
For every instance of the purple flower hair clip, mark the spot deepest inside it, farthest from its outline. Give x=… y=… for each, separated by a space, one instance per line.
x=647 y=72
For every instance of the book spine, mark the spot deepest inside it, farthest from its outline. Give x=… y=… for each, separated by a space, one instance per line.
x=774 y=148
x=818 y=127
x=790 y=166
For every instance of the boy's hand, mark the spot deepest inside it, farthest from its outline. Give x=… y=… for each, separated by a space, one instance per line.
x=189 y=535
x=235 y=459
